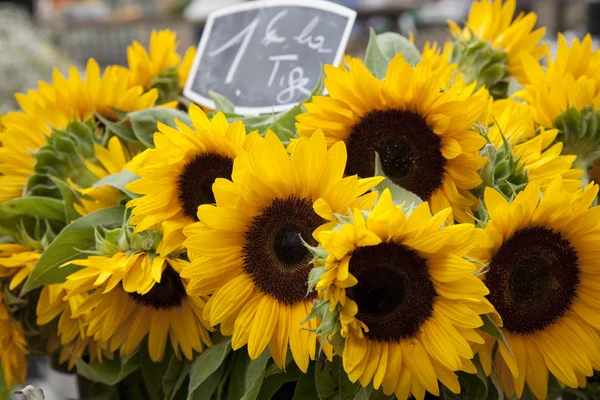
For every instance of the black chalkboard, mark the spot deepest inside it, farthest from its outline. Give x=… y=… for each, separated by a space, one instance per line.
x=266 y=56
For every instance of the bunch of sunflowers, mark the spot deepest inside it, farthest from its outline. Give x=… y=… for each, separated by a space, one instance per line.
x=427 y=227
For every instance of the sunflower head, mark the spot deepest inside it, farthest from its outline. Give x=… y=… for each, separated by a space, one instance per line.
x=130 y=293
x=566 y=96
x=248 y=250
x=408 y=301
x=178 y=175
x=488 y=48
x=161 y=67
x=417 y=120
x=541 y=253
x=51 y=108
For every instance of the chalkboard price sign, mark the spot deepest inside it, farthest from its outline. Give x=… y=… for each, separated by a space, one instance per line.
x=267 y=56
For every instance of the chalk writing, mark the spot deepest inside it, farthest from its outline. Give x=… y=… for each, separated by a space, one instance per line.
x=266 y=56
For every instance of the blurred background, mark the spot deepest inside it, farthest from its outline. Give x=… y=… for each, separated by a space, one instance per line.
x=37 y=35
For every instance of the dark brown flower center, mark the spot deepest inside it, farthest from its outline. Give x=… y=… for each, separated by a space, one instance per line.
x=194 y=186
x=533 y=279
x=274 y=254
x=410 y=152
x=394 y=293
x=167 y=294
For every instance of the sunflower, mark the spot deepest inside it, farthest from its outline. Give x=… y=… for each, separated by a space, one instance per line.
x=17 y=262
x=137 y=294
x=409 y=302
x=572 y=79
x=146 y=66
x=566 y=96
x=112 y=159
x=177 y=176
x=72 y=341
x=538 y=155
x=248 y=251
x=492 y=32
x=13 y=348
x=542 y=256
x=54 y=106
x=417 y=120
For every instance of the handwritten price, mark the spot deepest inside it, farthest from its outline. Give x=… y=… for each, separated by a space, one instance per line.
x=292 y=82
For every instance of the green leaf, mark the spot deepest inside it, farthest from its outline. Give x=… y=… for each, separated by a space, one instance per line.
x=153 y=372
x=375 y=61
x=119 y=181
x=119 y=129
x=70 y=197
x=236 y=384
x=173 y=379
x=70 y=244
x=222 y=103
x=273 y=382
x=319 y=87
x=255 y=374
x=207 y=389
x=493 y=330
x=29 y=209
x=306 y=388
x=144 y=122
x=333 y=383
x=207 y=363
x=108 y=372
x=285 y=125
x=384 y=47
x=399 y=194
x=391 y=43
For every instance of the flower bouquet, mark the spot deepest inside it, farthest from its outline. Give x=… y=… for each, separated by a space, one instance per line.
x=427 y=228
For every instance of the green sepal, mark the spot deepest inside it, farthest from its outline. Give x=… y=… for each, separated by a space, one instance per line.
x=29 y=215
x=73 y=242
x=70 y=197
x=478 y=61
x=579 y=130
x=502 y=172
x=167 y=84
x=64 y=157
